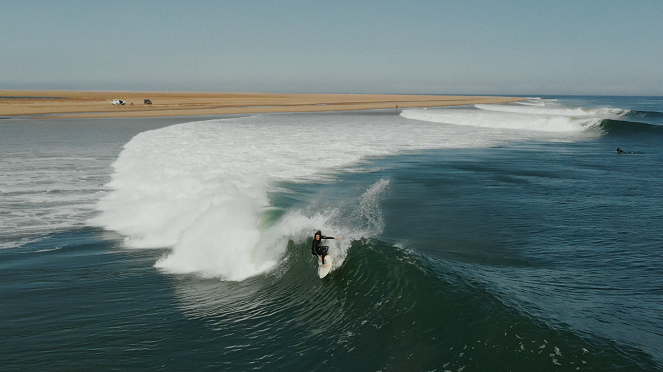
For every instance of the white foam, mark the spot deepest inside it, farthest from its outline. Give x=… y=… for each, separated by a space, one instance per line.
x=42 y=194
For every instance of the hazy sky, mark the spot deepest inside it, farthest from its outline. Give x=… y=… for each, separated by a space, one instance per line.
x=449 y=47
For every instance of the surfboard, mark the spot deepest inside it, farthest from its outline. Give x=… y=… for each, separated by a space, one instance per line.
x=323 y=270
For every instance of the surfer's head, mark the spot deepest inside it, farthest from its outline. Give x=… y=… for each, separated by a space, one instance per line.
x=318 y=235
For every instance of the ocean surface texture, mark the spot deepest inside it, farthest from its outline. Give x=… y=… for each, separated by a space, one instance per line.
x=478 y=238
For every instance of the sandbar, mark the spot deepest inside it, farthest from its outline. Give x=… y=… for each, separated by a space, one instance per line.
x=88 y=104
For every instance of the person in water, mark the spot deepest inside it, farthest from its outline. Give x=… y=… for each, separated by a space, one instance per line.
x=317 y=249
x=619 y=150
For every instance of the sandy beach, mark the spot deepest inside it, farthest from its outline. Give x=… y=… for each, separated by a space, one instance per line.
x=87 y=104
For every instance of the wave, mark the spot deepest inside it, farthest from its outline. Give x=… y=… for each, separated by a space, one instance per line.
x=536 y=101
x=386 y=308
x=646 y=117
x=545 y=116
x=557 y=111
x=624 y=127
x=204 y=190
x=505 y=118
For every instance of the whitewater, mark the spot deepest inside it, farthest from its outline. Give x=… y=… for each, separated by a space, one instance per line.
x=203 y=189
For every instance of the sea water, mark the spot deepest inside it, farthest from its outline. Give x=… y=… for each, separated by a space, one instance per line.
x=487 y=237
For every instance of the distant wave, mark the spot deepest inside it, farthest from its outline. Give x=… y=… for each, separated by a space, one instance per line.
x=556 y=111
x=535 y=115
x=505 y=119
x=535 y=101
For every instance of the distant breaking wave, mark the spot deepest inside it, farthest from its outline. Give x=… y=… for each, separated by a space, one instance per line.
x=557 y=111
x=504 y=120
x=538 y=115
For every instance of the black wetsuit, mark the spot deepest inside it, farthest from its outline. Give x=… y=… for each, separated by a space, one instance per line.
x=320 y=250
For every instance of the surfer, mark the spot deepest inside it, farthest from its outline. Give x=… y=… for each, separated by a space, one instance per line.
x=320 y=250
x=619 y=150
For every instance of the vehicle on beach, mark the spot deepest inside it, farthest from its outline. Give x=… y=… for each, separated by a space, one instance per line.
x=147 y=102
x=118 y=102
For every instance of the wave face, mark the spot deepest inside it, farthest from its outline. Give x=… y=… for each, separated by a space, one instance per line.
x=387 y=309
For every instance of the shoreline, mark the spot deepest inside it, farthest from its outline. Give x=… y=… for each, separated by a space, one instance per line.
x=54 y=104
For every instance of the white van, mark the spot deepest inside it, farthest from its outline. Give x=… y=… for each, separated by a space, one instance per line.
x=118 y=102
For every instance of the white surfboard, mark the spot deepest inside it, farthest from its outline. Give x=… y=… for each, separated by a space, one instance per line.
x=323 y=270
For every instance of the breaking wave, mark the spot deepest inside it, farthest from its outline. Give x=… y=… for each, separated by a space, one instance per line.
x=204 y=190
x=534 y=115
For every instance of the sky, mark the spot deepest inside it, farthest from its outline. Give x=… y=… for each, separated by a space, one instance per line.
x=501 y=47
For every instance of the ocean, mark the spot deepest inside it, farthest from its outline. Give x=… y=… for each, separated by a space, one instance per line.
x=508 y=237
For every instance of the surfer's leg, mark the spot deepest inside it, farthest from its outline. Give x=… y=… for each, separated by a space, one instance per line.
x=324 y=251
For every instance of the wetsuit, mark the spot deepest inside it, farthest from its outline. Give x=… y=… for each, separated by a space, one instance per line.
x=317 y=249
